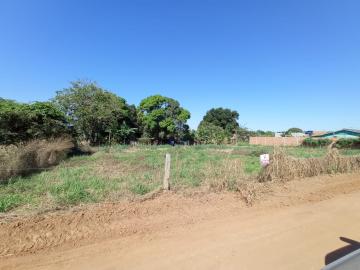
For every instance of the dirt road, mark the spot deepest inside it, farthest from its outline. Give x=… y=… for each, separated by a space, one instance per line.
x=295 y=227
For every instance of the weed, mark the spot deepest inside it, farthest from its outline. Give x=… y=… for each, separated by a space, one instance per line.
x=9 y=201
x=139 y=189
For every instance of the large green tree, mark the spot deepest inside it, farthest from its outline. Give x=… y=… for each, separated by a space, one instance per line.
x=293 y=130
x=21 y=122
x=224 y=118
x=223 y=122
x=162 y=118
x=96 y=114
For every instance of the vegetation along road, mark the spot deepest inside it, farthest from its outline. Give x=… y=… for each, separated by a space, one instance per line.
x=292 y=225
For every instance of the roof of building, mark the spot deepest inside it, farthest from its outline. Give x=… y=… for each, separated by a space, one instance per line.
x=351 y=130
x=319 y=132
x=298 y=134
x=357 y=131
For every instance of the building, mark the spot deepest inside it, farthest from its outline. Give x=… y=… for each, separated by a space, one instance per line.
x=298 y=134
x=340 y=134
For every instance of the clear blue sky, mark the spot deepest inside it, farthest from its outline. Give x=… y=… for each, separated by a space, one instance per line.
x=279 y=63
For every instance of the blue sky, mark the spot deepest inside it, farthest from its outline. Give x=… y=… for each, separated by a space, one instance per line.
x=278 y=63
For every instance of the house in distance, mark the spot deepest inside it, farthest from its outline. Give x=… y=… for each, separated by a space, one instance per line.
x=340 y=134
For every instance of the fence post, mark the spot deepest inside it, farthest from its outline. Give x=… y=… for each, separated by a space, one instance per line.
x=166 y=182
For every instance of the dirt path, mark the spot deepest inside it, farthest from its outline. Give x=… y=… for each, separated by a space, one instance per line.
x=294 y=227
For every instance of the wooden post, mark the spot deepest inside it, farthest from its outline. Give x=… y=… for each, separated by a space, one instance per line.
x=166 y=183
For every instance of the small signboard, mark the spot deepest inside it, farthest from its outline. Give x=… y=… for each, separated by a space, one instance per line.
x=264 y=160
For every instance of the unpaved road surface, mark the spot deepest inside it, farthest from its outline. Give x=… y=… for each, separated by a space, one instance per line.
x=293 y=225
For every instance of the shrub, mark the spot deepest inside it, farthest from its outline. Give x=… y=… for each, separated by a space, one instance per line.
x=208 y=133
x=310 y=142
x=23 y=122
x=347 y=143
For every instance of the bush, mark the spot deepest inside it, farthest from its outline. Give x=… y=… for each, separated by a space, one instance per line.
x=23 y=122
x=310 y=142
x=31 y=157
x=208 y=133
x=348 y=143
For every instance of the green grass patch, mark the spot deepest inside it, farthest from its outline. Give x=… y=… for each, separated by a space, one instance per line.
x=9 y=201
x=79 y=186
x=139 y=188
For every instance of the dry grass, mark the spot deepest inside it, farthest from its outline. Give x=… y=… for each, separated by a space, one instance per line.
x=224 y=176
x=230 y=176
x=32 y=156
x=284 y=167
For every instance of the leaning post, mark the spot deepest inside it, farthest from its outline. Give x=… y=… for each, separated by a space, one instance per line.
x=166 y=182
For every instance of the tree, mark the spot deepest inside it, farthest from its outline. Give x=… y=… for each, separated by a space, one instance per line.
x=163 y=118
x=208 y=133
x=243 y=134
x=13 y=124
x=224 y=118
x=225 y=121
x=96 y=114
x=262 y=133
x=124 y=132
x=293 y=130
x=21 y=122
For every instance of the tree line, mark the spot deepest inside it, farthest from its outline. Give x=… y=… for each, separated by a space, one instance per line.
x=90 y=113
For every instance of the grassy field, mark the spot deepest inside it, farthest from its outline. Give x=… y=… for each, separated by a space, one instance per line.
x=124 y=172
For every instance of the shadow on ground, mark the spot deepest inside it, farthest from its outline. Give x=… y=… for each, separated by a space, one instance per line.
x=341 y=252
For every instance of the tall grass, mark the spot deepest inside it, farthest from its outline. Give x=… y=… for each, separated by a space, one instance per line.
x=285 y=167
x=32 y=156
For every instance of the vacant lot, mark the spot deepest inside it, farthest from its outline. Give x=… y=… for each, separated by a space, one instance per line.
x=112 y=214
x=125 y=173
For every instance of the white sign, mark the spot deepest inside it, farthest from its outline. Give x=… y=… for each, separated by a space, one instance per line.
x=264 y=160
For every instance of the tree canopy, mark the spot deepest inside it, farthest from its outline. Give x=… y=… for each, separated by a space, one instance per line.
x=221 y=122
x=163 y=118
x=263 y=133
x=22 y=122
x=88 y=112
x=96 y=114
x=293 y=130
x=224 y=118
